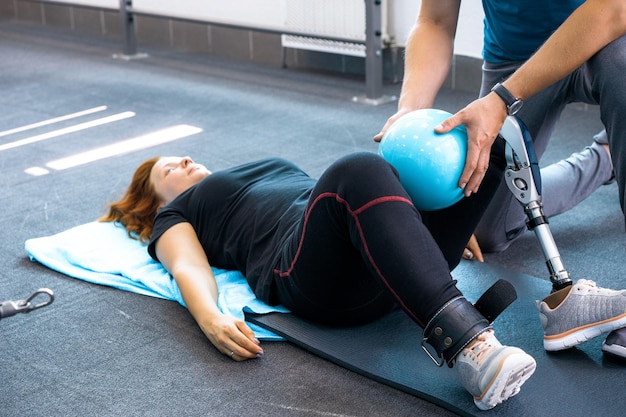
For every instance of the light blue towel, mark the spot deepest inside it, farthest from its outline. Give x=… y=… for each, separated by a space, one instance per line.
x=102 y=253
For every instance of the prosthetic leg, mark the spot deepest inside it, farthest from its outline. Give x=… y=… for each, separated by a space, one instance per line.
x=459 y=322
x=523 y=178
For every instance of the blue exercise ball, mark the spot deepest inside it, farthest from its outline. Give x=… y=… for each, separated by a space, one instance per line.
x=429 y=164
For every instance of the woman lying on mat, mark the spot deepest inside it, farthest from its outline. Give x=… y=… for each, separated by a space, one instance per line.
x=341 y=250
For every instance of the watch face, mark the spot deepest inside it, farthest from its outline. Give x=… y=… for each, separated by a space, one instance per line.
x=515 y=107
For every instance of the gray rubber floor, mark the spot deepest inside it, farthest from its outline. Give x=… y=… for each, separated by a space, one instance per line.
x=103 y=352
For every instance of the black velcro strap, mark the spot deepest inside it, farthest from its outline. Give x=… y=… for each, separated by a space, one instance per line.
x=496 y=299
x=453 y=328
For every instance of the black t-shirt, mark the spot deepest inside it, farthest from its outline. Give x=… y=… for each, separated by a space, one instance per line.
x=242 y=216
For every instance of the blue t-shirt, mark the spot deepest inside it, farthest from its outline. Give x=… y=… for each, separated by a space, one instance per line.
x=514 y=30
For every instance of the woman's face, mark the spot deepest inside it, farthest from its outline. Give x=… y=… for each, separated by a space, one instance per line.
x=172 y=175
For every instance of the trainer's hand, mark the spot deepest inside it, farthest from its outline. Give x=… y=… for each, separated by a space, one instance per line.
x=483 y=119
x=472 y=250
x=232 y=337
x=390 y=121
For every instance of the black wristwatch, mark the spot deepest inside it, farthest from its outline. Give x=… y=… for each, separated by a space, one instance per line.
x=513 y=104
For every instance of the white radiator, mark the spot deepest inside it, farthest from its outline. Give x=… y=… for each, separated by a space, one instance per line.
x=340 y=19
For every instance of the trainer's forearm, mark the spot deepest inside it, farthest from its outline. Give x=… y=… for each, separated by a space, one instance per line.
x=427 y=63
x=428 y=54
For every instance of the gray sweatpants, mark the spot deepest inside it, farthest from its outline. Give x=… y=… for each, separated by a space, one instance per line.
x=602 y=81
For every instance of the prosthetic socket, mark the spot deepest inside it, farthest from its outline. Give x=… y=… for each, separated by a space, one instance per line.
x=523 y=178
x=459 y=322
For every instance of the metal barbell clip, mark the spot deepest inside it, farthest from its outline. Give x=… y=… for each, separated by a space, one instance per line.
x=11 y=308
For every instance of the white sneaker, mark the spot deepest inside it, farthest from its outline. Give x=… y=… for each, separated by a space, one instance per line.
x=493 y=373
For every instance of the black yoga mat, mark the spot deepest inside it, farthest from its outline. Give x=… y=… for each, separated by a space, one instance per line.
x=581 y=381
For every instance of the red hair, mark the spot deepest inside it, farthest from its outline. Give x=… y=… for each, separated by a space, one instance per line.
x=138 y=207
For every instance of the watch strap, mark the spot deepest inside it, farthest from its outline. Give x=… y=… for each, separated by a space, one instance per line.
x=513 y=104
x=504 y=94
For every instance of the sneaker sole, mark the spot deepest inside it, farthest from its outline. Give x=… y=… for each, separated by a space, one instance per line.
x=506 y=383
x=580 y=335
x=614 y=349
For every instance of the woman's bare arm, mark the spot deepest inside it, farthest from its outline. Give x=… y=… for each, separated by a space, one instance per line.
x=180 y=252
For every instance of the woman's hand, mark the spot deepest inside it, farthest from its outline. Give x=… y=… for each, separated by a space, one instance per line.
x=181 y=254
x=231 y=336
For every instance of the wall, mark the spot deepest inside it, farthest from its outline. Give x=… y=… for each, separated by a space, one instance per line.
x=258 y=46
x=469 y=37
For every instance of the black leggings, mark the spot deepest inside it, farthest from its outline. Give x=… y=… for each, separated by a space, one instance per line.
x=362 y=248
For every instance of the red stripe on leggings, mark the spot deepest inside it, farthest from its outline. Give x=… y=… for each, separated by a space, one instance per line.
x=354 y=214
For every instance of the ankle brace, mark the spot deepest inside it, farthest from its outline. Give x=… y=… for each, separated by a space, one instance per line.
x=452 y=328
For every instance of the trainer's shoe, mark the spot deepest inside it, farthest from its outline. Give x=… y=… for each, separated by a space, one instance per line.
x=493 y=373
x=580 y=312
x=615 y=343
